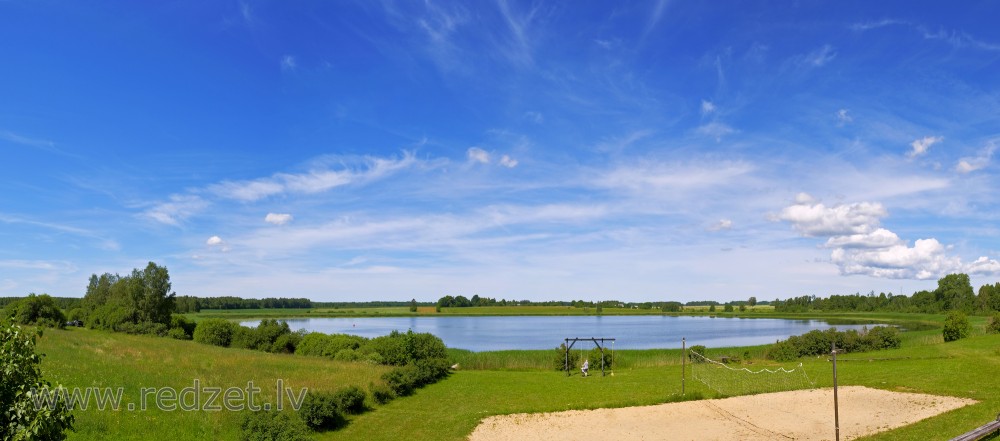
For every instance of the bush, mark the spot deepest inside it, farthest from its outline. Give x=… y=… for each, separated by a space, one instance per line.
x=150 y=328
x=399 y=349
x=178 y=333
x=218 y=332
x=37 y=310
x=186 y=326
x=559 y=360
x=595 y=359
x=697 y=349
x=272 y=426
x=818 y=342
x=323 y=345
x=286 y=343
x=381 y=393
x=319 y=411
x=993 y=324
x=956 y=326
x=402 y=380
x=349 y=400
x=19 y=374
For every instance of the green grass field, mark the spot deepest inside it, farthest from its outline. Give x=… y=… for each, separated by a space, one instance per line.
x=487 y=384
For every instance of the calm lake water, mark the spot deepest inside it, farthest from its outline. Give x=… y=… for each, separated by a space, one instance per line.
x=547 y=332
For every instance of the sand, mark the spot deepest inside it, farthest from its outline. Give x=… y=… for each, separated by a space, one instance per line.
x=796 y=415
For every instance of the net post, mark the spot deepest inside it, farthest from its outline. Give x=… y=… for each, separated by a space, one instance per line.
x=683 y=362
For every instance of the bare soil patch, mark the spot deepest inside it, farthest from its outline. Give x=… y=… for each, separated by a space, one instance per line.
x=795 y=415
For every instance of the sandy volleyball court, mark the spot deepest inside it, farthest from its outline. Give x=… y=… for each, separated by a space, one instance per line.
x=798 y=415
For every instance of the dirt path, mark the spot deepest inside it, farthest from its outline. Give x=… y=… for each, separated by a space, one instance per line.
x=796 y=415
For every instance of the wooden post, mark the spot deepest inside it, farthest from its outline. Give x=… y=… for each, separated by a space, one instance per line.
x=683 y=362
x=836 y=405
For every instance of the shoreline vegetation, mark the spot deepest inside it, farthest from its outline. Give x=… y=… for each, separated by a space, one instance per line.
x=139 y=335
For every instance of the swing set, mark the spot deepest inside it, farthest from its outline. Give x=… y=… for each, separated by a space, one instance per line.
x=601 y=344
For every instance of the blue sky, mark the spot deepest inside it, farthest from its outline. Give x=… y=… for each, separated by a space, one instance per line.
x=660 y=150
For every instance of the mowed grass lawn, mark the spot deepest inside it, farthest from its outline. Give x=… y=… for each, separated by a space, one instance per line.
x=449 y=410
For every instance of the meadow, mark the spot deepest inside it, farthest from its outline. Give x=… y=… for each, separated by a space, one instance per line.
x=487 y=383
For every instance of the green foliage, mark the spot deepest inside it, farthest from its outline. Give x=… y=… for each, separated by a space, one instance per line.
x=559 y=361
x=697 y=349
x=595 y=359
x=327 y=345
x=349 y=400
x=403 y=380
x=956 y=326
x=37 y=310
x=319 y=411
x=185 y=326
x=381 y=393
x=993 y=324
x=413 y=305
x=400 y=349
x=134 y=303
x=218 y=332
x=20 y=378
x=818 y=342
x=272 y=426
x=727 y=308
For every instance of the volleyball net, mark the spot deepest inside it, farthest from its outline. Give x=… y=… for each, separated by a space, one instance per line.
x=732 y=381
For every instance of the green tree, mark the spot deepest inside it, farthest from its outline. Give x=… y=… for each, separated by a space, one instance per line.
x=413 y=305
x=20 y=377
x=753 y=301
x=956 y=326
x=954 y=293
x=37 y=310
x=141 y=301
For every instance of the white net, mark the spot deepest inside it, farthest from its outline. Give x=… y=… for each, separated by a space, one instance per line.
x=732 y=381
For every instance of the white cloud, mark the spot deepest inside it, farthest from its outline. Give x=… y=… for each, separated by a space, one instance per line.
x=821 y=56
x=476 y=154
x=314 y=181
x=288 y=63
x=722 y=224
x=278 y=218
x=177 y=209
x=815 y=219
x=508 y=162
x=861 y=247
x=707 y=107
x=650 y=175
x=880 y=238
x=715 y=130
x=214 y=241
x=971 y=164
x=844 y=117
x=920 y=146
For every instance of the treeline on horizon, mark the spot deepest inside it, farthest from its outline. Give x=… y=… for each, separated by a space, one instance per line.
x=954 y=293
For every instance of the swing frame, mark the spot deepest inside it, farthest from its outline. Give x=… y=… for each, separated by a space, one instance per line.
x=599 y=342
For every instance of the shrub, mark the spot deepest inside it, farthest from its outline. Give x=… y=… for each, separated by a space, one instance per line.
x=150 y=328
x=697 y=349
x=559 y=361
x=956 y=326
x=349 y=400
x=399 y=349
x=818 y=342
x=381 y=393
x=186 y=326
x=993 y=324
x=319 y=411
x=217 y=332
x=347 y=355
x=272 y=426
x=323 y=345
x=595 y=358
x=37 y=310
x=19 y=374
x=402 y=380
x=178 y=333
x=286 y=343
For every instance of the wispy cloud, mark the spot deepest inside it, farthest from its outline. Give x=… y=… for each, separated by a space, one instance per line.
x=316 y=180
x=288 y=62
x=476 y=154
x=919 y=147
x=844 y=117
x=103 y=241
x=656 y=14
x=707 y=108
x=176 y=209
x=971 y=164
x=820 y=57
x=715 y=130
x=869 y=25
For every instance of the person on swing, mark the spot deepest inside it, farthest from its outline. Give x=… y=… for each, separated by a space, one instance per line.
x=585 y=368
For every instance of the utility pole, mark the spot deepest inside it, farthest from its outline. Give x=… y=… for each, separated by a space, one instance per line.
x=683 y=362
x=836 y=405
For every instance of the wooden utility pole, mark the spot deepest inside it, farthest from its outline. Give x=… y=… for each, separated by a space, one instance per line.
x=683 y=362
x=836 y=405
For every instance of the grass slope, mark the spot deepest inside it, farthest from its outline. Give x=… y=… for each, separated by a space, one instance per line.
x=488 y=384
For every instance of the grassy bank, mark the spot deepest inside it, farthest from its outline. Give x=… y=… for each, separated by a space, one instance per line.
x=487 y=383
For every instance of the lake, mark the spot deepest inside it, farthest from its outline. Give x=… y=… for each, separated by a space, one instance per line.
x=547 y=332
